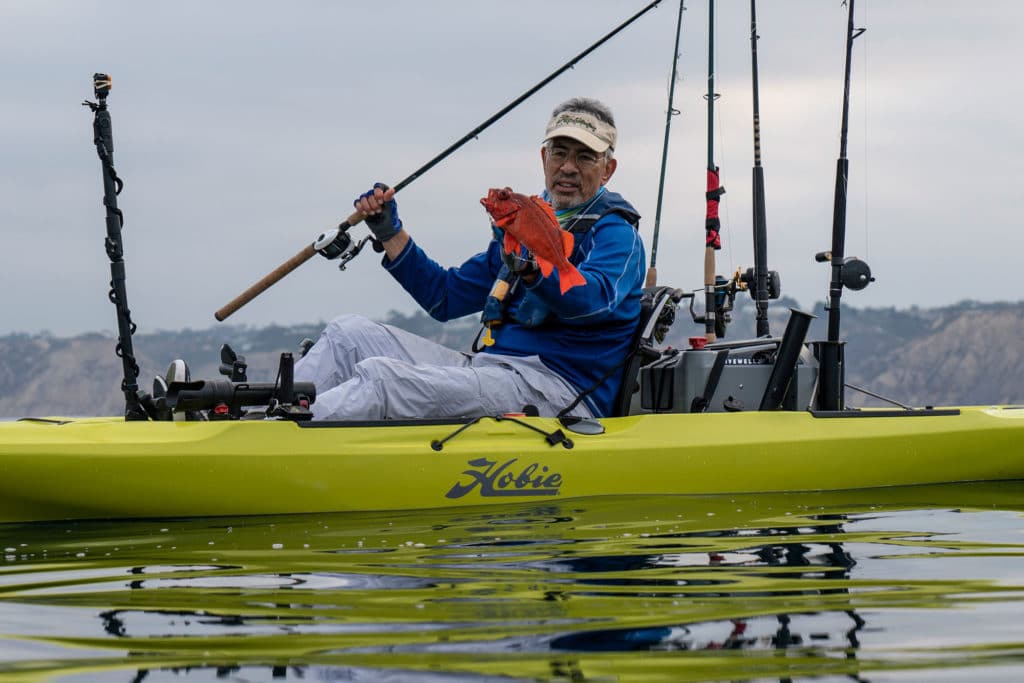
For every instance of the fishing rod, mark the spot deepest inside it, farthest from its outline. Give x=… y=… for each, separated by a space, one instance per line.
x=652 y=272
x=760 y=274
x=103 y=137
x=336 y=243
x=712 y=224
x=846 y=272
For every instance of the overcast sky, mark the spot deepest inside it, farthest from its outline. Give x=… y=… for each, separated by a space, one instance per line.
x=243 y=129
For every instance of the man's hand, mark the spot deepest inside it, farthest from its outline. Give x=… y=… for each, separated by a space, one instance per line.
x=522 y=264
x=380 y=210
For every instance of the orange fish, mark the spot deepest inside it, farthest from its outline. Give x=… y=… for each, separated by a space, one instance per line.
x=530 y=221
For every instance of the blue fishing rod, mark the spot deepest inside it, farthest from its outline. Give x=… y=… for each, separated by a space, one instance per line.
x=652 y=272
x=851 y=273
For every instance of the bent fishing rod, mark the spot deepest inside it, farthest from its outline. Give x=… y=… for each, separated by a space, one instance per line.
x=336 y=243
x=652 y=272
x=851 y=273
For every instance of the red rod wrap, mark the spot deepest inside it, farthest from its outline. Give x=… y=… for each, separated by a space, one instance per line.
x=712 y=224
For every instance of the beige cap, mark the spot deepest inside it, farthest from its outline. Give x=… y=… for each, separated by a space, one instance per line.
x=583 y=127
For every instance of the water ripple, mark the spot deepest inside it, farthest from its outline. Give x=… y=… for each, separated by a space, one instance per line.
x=925 y=582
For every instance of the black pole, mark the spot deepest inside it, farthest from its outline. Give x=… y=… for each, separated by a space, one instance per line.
x=760 y=227
x=711 y=85
x=831 y=391
x=652 y=273
x=103 y=137
x=712 y=224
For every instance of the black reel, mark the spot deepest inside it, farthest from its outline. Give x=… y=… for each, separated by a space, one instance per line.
x=854 y=274
x=725 y=300
x=774 y=283
x=340 y=245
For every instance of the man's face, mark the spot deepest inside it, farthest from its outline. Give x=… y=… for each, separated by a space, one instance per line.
x=573 y=172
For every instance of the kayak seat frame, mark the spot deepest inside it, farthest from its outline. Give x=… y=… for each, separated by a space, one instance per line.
x=657 y=313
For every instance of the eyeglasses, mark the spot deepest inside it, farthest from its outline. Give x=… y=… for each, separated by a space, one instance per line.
x=583 y=158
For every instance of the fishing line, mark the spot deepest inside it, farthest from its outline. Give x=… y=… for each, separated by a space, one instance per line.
x=723 y=203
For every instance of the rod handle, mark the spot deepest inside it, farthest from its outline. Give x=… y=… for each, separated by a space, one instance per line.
x=277 y=274
x=264 y=283
x=709 y=294
x=353 y=220
x=652 y=277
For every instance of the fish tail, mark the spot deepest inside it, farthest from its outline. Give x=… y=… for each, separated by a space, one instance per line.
x=569 y=276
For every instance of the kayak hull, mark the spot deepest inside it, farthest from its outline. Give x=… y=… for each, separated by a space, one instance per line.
x=97 y=468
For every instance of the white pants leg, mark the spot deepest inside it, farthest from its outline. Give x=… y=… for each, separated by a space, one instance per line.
x=368 y=371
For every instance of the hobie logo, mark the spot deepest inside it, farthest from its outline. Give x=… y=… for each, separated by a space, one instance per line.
x=507 y=480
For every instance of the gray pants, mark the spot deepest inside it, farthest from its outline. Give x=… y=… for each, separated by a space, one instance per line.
x=365 y=370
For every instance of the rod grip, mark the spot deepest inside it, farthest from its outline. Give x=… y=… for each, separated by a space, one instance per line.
x=709 y=294
x=278 y=273
x=355 y=219
x=264 y=283
x=652 y=277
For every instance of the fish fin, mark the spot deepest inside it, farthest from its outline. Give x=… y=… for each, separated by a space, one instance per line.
x=568 y=243
x=546 y=208
x=569 y=277
x=511 y=244
x=546 y=267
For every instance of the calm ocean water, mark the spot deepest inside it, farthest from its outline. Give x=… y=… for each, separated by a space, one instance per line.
x=913 y=584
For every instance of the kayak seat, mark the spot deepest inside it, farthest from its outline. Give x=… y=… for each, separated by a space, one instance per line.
x=657 y=313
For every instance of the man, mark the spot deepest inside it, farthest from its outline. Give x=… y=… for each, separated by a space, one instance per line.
x=547 y=348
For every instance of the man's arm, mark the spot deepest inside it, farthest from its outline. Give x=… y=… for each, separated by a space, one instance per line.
x=444 y=293
x=396 y=245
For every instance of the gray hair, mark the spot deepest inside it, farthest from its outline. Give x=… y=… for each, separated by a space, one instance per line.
x=591 y=106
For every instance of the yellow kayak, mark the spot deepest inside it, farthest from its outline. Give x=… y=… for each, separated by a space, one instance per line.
x=68 y=468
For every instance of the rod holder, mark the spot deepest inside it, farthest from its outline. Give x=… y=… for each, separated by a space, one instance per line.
x=786 y=359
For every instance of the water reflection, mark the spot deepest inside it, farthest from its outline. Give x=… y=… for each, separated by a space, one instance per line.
x=710 y=588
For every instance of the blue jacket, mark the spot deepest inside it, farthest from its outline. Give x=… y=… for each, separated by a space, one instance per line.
x=586 y=332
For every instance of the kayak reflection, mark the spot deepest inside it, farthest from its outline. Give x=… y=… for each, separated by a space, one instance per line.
x=522 y=591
